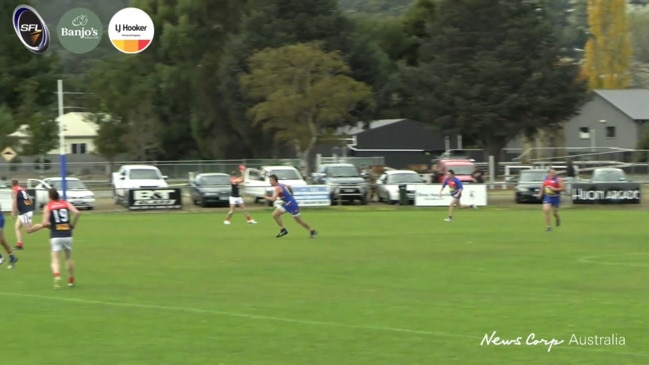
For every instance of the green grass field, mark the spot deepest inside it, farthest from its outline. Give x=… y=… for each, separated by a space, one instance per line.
x=376 y=287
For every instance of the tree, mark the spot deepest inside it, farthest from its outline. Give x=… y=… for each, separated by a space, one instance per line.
x=304 y=91
x=383 y=7
x=142 y=138
x=41 y=126
x=491 y=71
x=42 y=131
x=639 y=31
x=569 y=20
x=7 y=126
x=608 y=51
x=176 y=78
x=278 y=23
x=415 y=24
x=109 y=141
x=27 y=83
x=18 y=66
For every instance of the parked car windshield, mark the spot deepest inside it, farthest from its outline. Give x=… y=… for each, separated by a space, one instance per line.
x=215 y=180
x=532 y=176
x=286 y=174
x=609 y=175
x=342 y=171
x=462 y=170
x=144 y=174
x=404 y=178
x=69 y=184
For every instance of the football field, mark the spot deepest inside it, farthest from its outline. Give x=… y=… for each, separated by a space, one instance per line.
x=376 y=287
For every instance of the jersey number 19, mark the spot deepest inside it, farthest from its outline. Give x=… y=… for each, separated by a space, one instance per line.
x=62 y=220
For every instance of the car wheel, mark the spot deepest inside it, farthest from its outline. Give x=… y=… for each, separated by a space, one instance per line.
x=202 y=203
x=91 y=208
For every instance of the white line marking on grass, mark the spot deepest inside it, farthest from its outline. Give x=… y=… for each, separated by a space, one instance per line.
x=594 y=259
x=231 y=314
x=289 y=320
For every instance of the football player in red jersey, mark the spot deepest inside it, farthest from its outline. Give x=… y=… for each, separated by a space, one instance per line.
x=61 y=217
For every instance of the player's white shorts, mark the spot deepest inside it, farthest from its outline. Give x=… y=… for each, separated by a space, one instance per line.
x=59 y=244
x=236 y=200
x=26 y=219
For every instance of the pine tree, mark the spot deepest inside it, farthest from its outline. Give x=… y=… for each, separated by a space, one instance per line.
x=608 y=51
x=491 y=70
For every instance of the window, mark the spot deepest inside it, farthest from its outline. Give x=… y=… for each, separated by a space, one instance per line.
x=286 y=174
x=79 y=149
x=584 y=133
x=610 y=132
x=144 y=174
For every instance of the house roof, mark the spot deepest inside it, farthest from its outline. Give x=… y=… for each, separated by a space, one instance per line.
x=632 y=102
x=75 y=124
x=360 y=127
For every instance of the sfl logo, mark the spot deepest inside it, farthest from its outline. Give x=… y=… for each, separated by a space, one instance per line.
x=153 y=197
x=31 y=29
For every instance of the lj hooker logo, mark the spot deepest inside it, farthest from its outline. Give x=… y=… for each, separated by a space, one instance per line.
x=80 y=30
x=131 y=30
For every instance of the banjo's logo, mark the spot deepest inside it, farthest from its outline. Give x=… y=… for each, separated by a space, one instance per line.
x=80 y=30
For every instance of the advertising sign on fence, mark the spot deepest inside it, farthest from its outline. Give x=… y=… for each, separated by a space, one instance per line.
x=606 y=193
x=312 y=195
x=428 y=195
x=159 y=198
x=5 y=200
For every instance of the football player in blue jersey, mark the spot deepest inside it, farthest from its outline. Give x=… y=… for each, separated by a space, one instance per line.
x=455 y=187
x=289 y=205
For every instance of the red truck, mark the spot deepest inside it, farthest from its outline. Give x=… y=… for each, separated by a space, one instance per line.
x=462 y=167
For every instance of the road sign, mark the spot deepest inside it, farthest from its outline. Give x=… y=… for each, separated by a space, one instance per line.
x=8 y=154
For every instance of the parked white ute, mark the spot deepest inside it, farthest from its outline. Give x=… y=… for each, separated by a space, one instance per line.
x=76 y=192
x=136 y=177
x=256 y=183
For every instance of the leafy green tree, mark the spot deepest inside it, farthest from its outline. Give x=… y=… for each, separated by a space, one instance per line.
x=608 y=51
x=41 y=124
x=173 y=85
x=304 y=91
x=415 y=24
x=7 y=126
x=639 y=31
x=569 y=20
x=383 y=7
x=491 y=71
x=43 y=132
x=109 y=142
x=277 y=23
